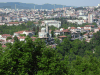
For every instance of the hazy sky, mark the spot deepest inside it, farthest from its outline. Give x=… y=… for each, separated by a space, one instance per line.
x=62 y=2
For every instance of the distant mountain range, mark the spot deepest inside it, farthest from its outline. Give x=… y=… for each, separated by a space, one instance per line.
x=29 y=5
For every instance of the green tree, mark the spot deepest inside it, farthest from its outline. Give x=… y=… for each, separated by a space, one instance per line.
x=52 y=33
x=8 y=38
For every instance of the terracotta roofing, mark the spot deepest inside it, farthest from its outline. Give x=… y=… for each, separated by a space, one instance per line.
x=66 y=30
x=2 y=40
x=82 y=27
x=89 y=26
x=3 y=46
x=13 y=22
x=72 y=28
x=62 y=36
x=6 y=35
x=21 y=37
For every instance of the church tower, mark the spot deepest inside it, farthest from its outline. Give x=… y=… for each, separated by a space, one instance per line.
x=47 y=30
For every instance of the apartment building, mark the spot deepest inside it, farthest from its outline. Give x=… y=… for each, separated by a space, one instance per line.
x=51 y=23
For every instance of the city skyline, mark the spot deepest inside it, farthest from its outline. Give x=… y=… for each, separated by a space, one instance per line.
x=77 y=3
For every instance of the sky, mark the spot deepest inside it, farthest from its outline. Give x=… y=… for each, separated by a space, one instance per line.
x=61 y=2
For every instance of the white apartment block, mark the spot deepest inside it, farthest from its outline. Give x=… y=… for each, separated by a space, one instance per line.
x=51 y=23
x=76 y=21
x=83 y=17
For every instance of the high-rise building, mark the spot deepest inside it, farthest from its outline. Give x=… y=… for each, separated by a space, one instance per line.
x=90 y=18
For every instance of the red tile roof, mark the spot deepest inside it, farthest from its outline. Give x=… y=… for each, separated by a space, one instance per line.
x=89 y=26
x=6 y=35
x=3 y=46
x=72 y=28
x=21 y=37
x=2 y=40
x=66 y=30
x=13 y=22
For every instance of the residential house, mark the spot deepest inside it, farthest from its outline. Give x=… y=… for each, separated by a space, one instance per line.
x=62 y=37
x=2 y=23
x=96 y=30
x=72 y=29
x=4 y=37
x=57 y=32
x=30 y=33
x=10 y=41
x=89 y=27
x=86 y=36
x=21 y=38
x=18 y=33
x=65 y=31
x=13 y=23
x=4 y=46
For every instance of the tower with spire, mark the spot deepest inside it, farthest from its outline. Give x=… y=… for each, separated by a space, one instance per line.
x=47 y=30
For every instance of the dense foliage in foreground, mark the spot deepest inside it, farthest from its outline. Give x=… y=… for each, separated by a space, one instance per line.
x=34 y=58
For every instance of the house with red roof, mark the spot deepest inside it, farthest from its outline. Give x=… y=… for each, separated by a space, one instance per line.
x=21 y=38
x=18 y=33
x=96 y=30
x=72 y=29
x=57 y=32
x=30 y=33
x=10 y=41
x=66 y=31
x=13 y=23
x=62 y=37
x=4 y=46
x=4 y=37
x=89 y=27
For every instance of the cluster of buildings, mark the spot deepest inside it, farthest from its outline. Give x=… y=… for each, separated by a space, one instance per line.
x=79 y=16
x=86 y=14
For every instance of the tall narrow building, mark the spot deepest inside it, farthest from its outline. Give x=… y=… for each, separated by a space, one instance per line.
x=47 y=30
x=90 y=18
